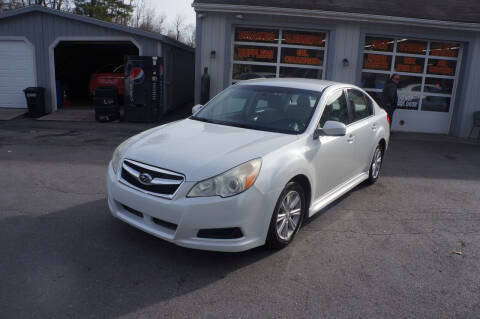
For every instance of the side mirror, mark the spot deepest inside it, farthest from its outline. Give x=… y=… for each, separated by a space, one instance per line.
x=331 y=128
x=196 y=108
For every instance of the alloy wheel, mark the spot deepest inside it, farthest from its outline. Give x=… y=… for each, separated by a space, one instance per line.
x=289 y=215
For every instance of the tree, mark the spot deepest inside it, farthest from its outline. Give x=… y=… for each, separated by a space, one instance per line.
x=52 y=4
x=177 y=28
x=190 y=33
x=181 y=31
x=145 y=18
x=116 y=11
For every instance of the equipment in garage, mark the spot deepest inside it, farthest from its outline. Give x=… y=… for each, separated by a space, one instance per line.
x=36 y=101
x=77 y=63
x=105 y=101
x=143 y=88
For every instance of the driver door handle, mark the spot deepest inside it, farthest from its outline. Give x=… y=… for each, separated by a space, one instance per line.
x=351 y=138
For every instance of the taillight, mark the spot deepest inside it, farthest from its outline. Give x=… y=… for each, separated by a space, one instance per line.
x=388 y=119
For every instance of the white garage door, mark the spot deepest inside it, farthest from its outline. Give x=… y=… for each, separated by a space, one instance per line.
x=17 y=72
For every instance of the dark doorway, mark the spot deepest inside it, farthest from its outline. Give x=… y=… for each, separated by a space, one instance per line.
x=76 y=63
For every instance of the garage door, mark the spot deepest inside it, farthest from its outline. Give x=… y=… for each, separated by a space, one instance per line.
x=16 y=72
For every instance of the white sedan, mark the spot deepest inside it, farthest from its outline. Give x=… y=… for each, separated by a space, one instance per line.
x=251 y=165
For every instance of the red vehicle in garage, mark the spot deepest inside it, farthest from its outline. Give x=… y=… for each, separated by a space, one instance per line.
x=109 y=75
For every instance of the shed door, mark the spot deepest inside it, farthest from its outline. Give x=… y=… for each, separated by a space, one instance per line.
x=17 y=72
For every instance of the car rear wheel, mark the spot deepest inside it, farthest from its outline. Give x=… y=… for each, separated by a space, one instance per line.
x=376 y=165
x=287 y=217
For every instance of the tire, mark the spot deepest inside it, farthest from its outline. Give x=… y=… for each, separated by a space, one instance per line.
x=281 y=232
x=375 y=165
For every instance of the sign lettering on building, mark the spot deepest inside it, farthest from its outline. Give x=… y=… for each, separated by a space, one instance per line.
x=257 y=36
x=302 y=56
x=313 y=39
x=377 y=62
x=410 y=65
x=412 y=47
x=255 y=53
x=378 y=45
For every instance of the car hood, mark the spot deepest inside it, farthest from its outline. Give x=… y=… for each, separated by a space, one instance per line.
x=202 y=150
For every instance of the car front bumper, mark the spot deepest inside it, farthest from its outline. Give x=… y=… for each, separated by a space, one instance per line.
x=181 y=218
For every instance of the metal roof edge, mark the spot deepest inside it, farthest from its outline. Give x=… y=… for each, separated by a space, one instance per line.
x=345 y=16
x=104 y=24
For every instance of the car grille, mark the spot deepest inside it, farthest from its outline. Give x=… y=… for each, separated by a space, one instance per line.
x=150 y=179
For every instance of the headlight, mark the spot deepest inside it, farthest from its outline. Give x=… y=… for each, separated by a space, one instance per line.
x=230 y=183
x=118 y=153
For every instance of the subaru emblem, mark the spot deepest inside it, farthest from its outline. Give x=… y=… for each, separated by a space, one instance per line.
x=145 y=178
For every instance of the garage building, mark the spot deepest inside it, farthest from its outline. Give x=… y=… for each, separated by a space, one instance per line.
x=60 y=51
x=434 y=46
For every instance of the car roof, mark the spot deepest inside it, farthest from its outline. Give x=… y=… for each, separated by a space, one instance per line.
x=296 y=83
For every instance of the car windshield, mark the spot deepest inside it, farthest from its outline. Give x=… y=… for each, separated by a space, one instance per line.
x=259 y=107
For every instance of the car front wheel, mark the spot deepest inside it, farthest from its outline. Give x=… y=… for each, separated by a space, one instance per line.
x=287 y=217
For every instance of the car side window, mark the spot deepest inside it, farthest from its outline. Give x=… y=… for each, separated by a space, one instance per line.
x=361 y=105
x=336 y=109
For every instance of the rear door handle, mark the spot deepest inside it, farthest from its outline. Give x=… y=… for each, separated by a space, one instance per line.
x=374 y=127
x=351 y=138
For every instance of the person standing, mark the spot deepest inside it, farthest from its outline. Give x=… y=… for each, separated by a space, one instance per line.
x=389 y=95
x=205 y=87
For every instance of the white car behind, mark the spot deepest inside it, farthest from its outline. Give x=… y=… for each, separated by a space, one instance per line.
x=251 y=165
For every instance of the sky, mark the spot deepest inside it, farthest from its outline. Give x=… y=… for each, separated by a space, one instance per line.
x=173 y=7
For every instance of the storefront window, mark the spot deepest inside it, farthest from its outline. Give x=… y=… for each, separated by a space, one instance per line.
x=315 y=39
x=411 y=46
x=377 y=62
x=435 y=103
x=379 y=44
x=256 y=35
x=247 y=72
x=409 y=64
x=444 y=49
x=255 y=53
x=286 y=72
x=427 y=71
x=302 y=56
x=438 y=85
x=441 y=67
x=374 y=80
x=410 y=83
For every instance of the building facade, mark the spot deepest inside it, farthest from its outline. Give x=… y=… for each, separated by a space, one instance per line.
x=435 y=49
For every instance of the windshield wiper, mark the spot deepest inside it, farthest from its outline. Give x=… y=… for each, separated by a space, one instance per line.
x=202 y=119
x=238 y=125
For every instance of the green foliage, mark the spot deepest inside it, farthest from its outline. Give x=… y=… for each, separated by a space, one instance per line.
x=117 y=11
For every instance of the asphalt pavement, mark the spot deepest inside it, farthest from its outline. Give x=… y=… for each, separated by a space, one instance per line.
x=406 y=247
